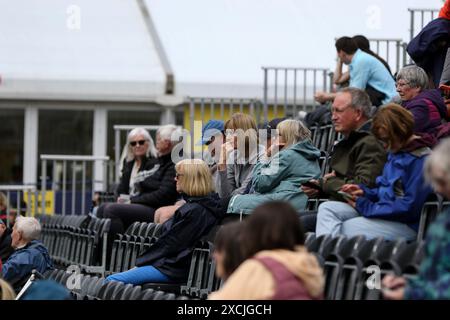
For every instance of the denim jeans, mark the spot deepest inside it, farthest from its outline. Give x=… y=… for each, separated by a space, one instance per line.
x=139 y=275
x=340 y=218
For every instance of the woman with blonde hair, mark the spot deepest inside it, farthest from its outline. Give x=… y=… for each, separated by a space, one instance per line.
x=238 y=155
x=290 y=161
x=168 y=260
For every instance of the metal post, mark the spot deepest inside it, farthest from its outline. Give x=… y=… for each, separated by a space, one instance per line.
x=202 y=109
x=64 y=187
x=295 y=91
x=275 y=103
x=411 y=31
x=73 y=186
x=8 y=208
x=285 y=93
x=83 y=185
x=265 y=110
x=117 y=154
x=43 y=185
x=192 y=113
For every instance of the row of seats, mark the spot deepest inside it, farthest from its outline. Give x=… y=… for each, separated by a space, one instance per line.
x=87 y=287
x=128 y=246
x=324 y=137
x=348 y=263
x=75 y=240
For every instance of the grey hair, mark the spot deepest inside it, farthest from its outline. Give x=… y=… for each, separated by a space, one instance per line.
x=360 y=100
x=415 y=76
x=440 y=157
x=170 y=132
x=151 y=151
x=29 y=227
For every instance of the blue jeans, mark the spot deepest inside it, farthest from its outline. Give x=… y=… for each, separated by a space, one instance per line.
x=340 y=218
x=140 y=275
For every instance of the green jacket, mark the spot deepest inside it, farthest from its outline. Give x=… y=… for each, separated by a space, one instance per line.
x=358 y=159
x=280 y=178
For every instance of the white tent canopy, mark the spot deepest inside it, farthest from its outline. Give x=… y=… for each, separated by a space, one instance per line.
x=81 y=50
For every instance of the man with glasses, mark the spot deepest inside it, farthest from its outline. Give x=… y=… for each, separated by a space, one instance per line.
x=358 y=158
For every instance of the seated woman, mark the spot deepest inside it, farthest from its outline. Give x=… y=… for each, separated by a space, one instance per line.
x=391 y=209
x=427 y=106
x=152 y=187
x=290 y=161
x=278 y=266
x=168 y=259
x=433 y=280
x=140 y=148
x=238 y=155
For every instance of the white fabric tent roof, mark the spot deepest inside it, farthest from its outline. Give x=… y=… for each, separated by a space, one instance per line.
x=110 y=57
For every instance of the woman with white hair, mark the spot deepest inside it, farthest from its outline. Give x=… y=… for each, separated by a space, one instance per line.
x=139 y=149
x=427 y=106
x=291 y=160
x=155 y=187
x=29 y=253
x=433 y=280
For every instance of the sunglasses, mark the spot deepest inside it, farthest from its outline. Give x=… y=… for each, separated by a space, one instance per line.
x=140 y=142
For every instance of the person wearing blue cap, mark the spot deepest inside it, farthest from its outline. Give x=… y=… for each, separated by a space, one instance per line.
x=213 y=137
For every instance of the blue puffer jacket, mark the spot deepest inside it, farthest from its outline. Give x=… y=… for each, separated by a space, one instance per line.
x=18 y=267
x=401 y=190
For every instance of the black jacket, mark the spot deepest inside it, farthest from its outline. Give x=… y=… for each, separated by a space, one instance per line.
x=171 y=253
x=159 y=189
x=124 y=185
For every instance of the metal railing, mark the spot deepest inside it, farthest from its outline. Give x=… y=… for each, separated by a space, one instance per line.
x=393 y=51
x=204 y=109
x=419 y=18
x=23 y=196
x=292 y=89
x=84 y=165
x=118 y=130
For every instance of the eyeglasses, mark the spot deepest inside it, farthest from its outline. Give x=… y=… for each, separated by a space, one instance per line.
x=178 y=175
x=339 y=111
x=401 y=84
x=140 y=142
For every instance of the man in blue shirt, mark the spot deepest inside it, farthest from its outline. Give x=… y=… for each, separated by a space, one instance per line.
x=366 y=73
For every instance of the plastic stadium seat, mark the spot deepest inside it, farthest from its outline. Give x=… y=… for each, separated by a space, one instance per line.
x=429 y=211
x=333 y=265
x=159 y=295
x=146 y=294
x=125 y=292
x=134 y=294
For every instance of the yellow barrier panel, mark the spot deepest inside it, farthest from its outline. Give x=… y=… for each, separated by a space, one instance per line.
x=49 y=203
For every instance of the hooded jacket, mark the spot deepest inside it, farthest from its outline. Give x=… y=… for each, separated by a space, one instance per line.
x=158 y=189
x=428 y=109
x=401 y=190
x=253 y=281
x=20 y=264
x=280 y=178
x=171 y=254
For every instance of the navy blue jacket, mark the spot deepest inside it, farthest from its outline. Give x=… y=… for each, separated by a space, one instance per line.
x=17 y=269
x=400 y=191
x=429 y=48
x=171 y=254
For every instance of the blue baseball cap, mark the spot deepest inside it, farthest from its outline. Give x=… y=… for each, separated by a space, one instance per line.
x=211 y=129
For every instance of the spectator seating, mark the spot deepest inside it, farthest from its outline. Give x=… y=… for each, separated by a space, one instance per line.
x=76 y=240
